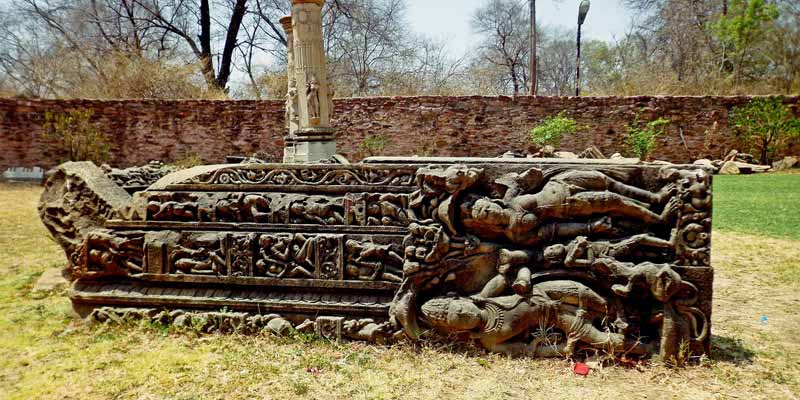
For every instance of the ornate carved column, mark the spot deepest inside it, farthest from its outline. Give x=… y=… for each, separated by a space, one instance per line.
x=313 y=138
x=292 y=103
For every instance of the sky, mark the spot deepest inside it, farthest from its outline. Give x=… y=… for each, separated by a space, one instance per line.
x=449 y=20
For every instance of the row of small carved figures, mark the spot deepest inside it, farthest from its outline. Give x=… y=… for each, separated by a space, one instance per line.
x=291 y=256
x=384 y=210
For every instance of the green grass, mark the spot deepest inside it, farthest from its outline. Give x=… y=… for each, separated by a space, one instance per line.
x=47 y=353
x=766 y=204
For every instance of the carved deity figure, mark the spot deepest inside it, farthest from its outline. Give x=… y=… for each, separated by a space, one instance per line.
x=312 y=94
x=572 y=194
x=291 y=103
x=371 y=262
x=496 y=322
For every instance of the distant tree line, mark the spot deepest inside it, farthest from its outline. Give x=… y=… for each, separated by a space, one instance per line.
x=237 y=48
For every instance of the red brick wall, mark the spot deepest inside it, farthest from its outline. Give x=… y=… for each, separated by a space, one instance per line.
x=142 y=130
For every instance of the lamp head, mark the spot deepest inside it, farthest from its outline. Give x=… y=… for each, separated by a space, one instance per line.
x=583 y=9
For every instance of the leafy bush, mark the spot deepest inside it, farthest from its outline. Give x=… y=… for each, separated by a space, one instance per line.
x=75 y=137
x=374 y=145
x=641 y=137
x=766 y=125
x=553 y=129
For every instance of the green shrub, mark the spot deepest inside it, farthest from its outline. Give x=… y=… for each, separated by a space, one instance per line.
x=374 y=145
x=641 y=137
x=766 y=125
x=75 y=137
x=553 y=129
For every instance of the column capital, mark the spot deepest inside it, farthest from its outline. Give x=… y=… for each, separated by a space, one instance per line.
x=317 y=2
x=286 y=21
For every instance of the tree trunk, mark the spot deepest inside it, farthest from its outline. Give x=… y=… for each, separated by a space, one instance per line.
x=239 y=11
x=206 y=58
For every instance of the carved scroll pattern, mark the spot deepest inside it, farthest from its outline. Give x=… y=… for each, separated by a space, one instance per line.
x=240 y=254
x=278 y=176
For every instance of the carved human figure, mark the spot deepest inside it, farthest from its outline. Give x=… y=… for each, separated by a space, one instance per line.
x=258 y=208
x=291 y=103
x=110 y=253
x=581 y=252
x=316 y=212
x=202 y=261
x=277 y=258
x=331 y=93
x=312 y=94
x=371 y=262
x=496 y=321
x=569 y=195
x=389 y=209
x=171 y=211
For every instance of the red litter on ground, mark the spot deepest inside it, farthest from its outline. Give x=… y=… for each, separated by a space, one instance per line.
x=581 y=369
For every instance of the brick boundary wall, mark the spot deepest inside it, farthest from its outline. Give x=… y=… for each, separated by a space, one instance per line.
x=143 y=130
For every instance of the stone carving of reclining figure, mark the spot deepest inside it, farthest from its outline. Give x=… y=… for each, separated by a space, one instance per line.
x=602 y=258
x=171 y=210
x=495 y=321
x=371 y=262
x=305 y=211
x=201 y=261
x=581 y=253
x=572 y=194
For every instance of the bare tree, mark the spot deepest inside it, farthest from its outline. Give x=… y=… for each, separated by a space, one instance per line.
x=504 y=27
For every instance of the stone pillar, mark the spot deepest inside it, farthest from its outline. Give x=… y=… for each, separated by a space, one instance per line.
x=292 y=101
x=313 y=139
x=292 y=104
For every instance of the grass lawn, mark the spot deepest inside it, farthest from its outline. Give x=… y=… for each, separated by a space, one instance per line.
x=46 y=353
x=765 y=204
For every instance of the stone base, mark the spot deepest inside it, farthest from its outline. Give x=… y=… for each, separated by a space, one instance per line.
x=308 y=152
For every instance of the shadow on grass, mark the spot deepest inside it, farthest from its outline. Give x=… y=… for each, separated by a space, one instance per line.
x=730 y=350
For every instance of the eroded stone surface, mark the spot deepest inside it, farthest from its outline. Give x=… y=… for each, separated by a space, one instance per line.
x=79 y=198
x=575 y=256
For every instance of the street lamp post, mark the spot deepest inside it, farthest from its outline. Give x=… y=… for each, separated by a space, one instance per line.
x=582 y=11
x=534 y=90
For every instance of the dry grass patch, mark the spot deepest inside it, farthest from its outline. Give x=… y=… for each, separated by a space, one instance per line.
x=45 y=353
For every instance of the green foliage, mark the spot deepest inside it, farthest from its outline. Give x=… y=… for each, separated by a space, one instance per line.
x=75 y=137
x=766 y=125
x=553 y=129
x=374 y=145
x=747 y=23
x=641 y=137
